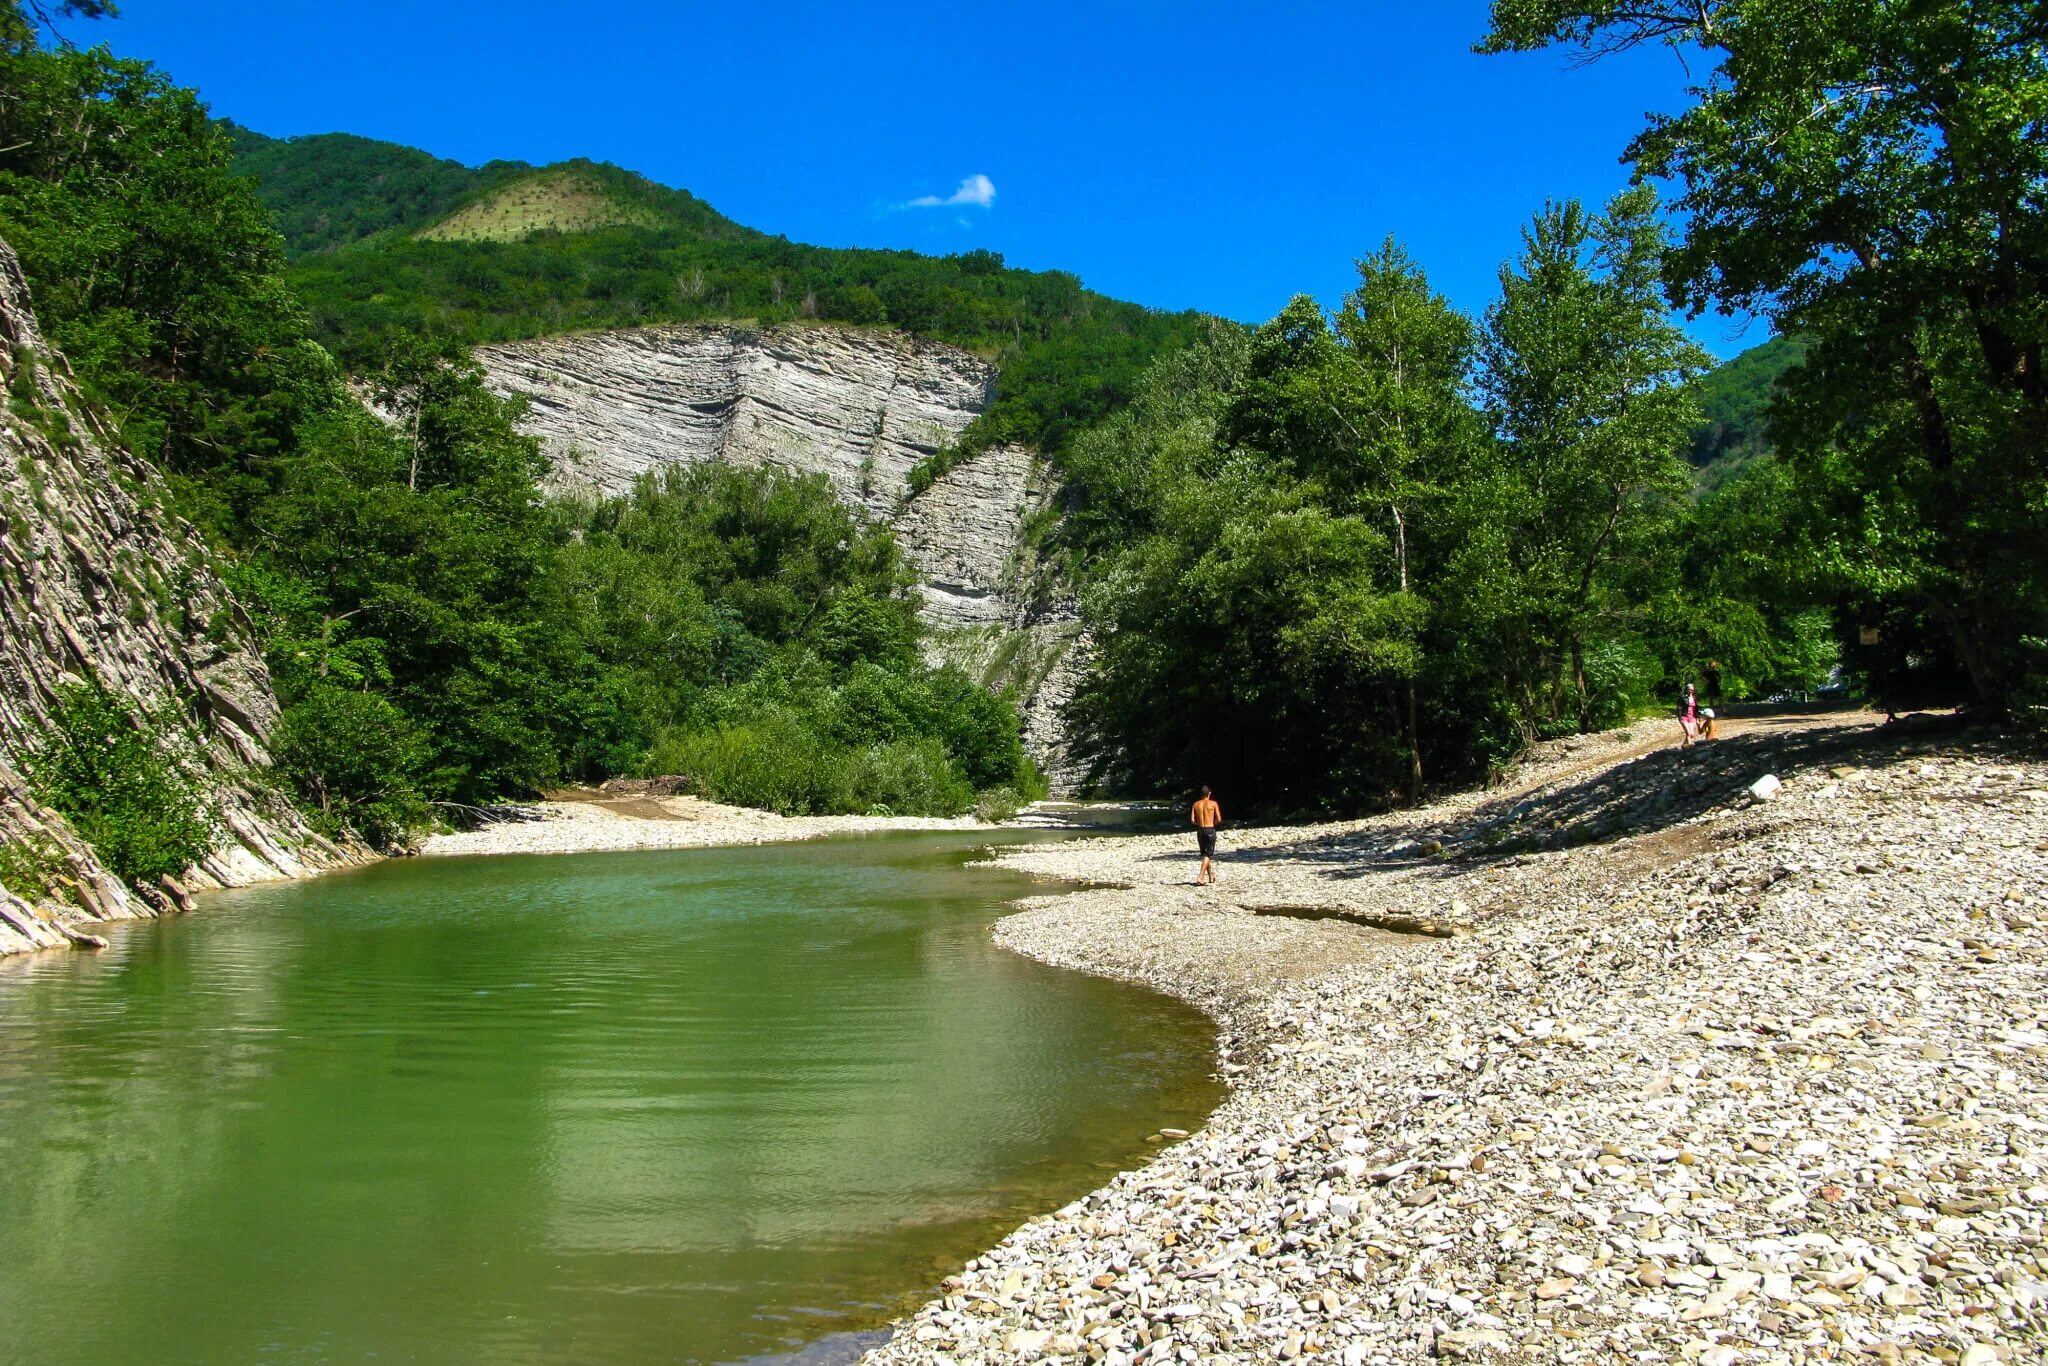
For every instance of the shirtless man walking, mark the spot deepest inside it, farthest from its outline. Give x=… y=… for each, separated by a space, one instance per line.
x=1206 y=816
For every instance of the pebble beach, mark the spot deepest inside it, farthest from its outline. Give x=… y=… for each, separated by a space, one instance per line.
x=595 y=824
x=1635 y=1059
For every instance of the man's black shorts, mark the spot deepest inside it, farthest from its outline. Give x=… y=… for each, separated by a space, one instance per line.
x=1207 y=839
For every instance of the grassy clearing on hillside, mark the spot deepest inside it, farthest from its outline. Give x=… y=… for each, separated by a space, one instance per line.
x=560 y=202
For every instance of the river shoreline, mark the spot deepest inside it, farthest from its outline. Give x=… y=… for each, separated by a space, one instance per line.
x=594 y=825
x=1678 y=1074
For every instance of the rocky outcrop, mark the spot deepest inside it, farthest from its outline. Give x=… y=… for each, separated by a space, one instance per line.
x=99 y=583
x=964 y=533
x=861 y=407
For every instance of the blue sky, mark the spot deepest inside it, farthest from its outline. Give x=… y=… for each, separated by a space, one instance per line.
x=1221 y=157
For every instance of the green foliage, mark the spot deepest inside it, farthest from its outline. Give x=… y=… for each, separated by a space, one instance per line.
x=328 y=190
x=769 y=645
x=778 y=761
x=32 y=869
x=773 y=761
x=419 y=562
x=21 y=20
x=1869 y=177
x=998 y=804
x=104 y=769
x=1317 y=574
x=1735 y=401
x=1588 y=386
x=356 y=759
x=156 y=271
x=1068 y=356
x=436 y=631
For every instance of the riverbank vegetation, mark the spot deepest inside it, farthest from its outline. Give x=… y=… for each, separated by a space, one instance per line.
x=1391 y=541
x=1363 y=547
x=438 y=632
x=1868 y=177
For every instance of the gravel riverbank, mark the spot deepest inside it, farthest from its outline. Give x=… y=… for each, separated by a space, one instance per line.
x=589 y=825
x=1621 y=1064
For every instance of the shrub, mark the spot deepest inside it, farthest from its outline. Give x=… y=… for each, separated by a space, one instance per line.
x=31 y=869
x=772 y=761
x=997 y=804
x=910 y=777
x=105 y=772
x=355 y=758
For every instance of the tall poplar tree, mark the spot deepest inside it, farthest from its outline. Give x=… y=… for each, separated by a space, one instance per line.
x=1409 y=353
x=1587 y=383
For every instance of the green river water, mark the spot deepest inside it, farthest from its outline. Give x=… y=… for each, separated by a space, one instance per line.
x=691 y=1106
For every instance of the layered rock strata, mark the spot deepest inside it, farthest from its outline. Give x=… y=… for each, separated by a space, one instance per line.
x=964 y=533
x=858 y=406
x=861 y=407
x=100 y=584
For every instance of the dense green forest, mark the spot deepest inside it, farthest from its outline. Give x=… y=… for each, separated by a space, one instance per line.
x=334 y=189
x=438 y=632
x=1735 y=401
x=1868 y=178
x=1362 y=548
x=355 y=211
x=1325 y=562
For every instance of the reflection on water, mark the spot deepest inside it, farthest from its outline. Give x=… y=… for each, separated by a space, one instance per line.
x=676 y=1106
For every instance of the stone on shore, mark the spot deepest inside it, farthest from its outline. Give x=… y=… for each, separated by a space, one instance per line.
x=1689 y=1088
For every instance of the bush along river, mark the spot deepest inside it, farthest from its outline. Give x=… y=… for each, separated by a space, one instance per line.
x=692 y=1106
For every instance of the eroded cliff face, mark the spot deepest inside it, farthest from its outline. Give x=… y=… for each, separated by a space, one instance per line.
x=856 y=405
x=99 y=583
x=860 y=406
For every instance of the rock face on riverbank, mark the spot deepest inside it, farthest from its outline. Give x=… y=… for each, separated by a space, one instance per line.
x=860 y=406
x=101 y=584
x=1674 y=1075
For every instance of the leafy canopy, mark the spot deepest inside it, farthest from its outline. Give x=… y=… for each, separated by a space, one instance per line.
x=1870 y=175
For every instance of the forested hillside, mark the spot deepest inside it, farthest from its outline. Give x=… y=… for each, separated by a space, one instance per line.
x=438 y=633
x=388 y=240
x=1735 y=399
x=329 y=190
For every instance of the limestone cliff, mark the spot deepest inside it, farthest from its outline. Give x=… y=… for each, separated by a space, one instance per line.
x=100 y=583
x=860 y=406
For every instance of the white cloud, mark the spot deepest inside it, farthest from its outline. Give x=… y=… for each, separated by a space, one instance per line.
x=977 y=190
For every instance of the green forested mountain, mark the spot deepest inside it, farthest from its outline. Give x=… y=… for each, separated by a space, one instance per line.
x=329 y=190
x=1734 y=399
x=387 y=240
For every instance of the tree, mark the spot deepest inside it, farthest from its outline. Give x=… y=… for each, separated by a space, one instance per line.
x=22 y=20
x=1869 y=176
x=156 y=270
x=1588 y=387
x=1417 y=432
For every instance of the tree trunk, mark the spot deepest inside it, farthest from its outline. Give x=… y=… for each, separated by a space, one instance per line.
x=1414 y=752
x=1414 y=729
x=1585 y=693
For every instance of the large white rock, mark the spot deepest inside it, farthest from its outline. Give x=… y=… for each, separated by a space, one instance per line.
x=858 y=405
